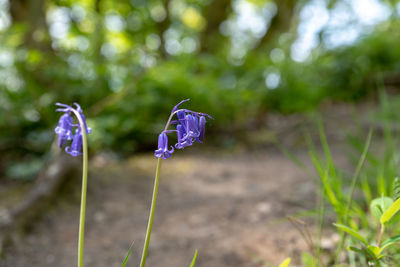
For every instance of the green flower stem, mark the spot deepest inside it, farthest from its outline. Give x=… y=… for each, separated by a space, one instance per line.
x=151 y=215
x=84 y=190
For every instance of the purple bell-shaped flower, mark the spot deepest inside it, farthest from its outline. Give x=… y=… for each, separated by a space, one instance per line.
x=202 y=127
x=162 y=150
x=64 y=129
x=66 y=126
x=192 y=126
x=183 y=141
x=75 y=149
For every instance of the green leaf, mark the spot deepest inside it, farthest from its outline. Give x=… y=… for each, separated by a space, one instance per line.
x=351 y=232
x=382 y=256
x=388 y=242
x=369 y=254
x=285 y=263
x=357 y=250
x=194 y=259
x=307 y=259
x=325 y=178
x=390 y=212
x=374 y=250
x=127 y=255
x=379 y=205
x=396 y=188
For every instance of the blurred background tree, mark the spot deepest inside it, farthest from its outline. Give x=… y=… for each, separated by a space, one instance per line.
x=128 y=62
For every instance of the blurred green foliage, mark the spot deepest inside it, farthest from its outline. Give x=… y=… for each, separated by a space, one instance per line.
x=129 y=62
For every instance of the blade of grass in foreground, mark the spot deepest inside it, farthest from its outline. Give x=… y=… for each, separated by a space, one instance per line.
x=326 y=149
x=351 y=232
x=352 y=187
x=127 y=255
x=357 y=172
x=194 y=259
x=321 y=214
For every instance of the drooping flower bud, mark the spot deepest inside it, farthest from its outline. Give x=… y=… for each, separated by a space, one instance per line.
x=162 y=150
x=64 y=129
x=183 y=141
x=192 y=127
x=202 y=126
x=75 y=149
x=181 y=116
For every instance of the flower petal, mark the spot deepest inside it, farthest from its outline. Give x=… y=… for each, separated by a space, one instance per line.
x=202 y=126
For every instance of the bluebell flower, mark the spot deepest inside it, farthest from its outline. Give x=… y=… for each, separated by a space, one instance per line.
x=79 y=109
x=64 y=129
x=181 y=116
x=162 y=150
x=202 y=127
x=75 y=149
x=190 y=127
x=183 y=141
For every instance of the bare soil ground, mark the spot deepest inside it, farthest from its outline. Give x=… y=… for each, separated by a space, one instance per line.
x=231 y=208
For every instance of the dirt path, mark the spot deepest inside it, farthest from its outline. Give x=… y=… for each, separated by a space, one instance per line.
x=231 y=208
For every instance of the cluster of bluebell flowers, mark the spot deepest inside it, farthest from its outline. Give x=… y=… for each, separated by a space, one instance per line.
x=190 y=128
x=65 y=128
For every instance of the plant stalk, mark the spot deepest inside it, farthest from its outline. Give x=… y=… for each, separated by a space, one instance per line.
x=380 y=235
x=151 y=215
x=84 y=190
x=320 y=226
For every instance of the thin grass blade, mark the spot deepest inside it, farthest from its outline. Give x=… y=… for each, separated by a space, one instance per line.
x=194 y=259
x=388 y=242
x=127 y=255
x=351 y=232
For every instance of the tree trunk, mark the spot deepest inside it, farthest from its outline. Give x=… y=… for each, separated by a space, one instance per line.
x=32 y=14
x=216 y=12
x=162 y=27
x=280 y=23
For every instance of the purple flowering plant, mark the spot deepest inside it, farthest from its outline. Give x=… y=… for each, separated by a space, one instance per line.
x=65 y=128
x=67 y=131
x=189 y=128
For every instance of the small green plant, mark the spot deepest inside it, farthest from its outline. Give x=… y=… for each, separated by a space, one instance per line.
x=373 y=242
x=384 y=210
